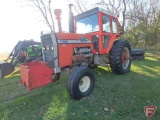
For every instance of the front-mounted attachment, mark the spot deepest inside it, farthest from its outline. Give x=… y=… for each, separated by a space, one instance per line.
x=40 y=73
x=50 y=51
x=16 y=56
x=5 y=68
x=35 y=74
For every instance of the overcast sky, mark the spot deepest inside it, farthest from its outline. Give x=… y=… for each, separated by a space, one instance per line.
x=19 y=22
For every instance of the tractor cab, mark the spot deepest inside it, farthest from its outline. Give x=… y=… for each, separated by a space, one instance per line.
x=104 y=27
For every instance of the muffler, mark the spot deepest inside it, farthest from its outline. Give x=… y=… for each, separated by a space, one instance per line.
x=5 y=69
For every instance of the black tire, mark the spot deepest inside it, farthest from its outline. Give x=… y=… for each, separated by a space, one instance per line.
x=138 y=58
x=116 y=54
x=56 y=76
x=138 y=54
x=80 y=83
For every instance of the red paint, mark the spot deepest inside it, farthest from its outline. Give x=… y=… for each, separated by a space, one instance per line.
x=124 y=57
x=150 y=110
x=58 y=13
x=35 y=74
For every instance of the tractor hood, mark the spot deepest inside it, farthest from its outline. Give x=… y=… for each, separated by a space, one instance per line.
x=73 y=36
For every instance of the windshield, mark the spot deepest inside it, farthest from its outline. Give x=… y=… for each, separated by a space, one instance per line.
x=88 y=24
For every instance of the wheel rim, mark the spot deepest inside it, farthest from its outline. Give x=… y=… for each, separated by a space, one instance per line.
x=84 y=84
x=125 y=58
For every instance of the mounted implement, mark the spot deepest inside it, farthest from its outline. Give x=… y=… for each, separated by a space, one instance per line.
x=92 y=41
x=16 y=56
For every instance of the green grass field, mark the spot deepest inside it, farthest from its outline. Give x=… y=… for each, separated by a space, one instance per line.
x=115 y=97
x=3 y=56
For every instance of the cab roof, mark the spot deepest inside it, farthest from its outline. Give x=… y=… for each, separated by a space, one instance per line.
x=93 y=11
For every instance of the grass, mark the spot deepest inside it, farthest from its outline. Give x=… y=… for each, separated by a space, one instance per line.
x=115 y=97
x=3 y=56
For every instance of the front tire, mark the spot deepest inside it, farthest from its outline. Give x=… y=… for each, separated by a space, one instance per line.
x=120 y=57
x=80 y=83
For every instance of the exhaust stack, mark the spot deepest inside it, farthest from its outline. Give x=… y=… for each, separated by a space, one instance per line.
x=71 y=19
x=58 y=13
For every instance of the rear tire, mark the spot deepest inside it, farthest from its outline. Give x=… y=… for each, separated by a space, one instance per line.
x=80 y=83
x=120 y=57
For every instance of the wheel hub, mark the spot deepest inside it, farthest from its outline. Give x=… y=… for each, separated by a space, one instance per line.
x=125 y=58
x=81 y=83
x=84 y=84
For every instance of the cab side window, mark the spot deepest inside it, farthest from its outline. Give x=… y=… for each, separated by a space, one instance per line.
x=114 y=26
x=106 y=24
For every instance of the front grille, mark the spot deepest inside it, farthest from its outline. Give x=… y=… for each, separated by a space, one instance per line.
x=48 y=49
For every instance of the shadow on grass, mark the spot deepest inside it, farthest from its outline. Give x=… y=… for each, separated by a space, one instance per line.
x=16 y=72
x=9 y=80
x=115 y=97
x=36 y=105
x=102 y=70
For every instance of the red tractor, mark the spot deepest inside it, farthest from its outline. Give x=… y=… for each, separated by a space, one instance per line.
x=91 y=42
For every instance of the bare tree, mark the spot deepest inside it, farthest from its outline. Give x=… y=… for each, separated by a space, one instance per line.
x=112 y=6
x=115 y=7
x=44 y=6
x=124 y=14
x=81 y=6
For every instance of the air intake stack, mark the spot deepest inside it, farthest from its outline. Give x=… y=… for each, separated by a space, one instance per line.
x=58 y=13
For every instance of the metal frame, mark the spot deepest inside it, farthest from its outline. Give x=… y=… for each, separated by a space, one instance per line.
x=93 y=11
x=81 y=41
x=55 y=45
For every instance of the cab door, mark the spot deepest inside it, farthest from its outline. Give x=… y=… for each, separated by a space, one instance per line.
x=109 y=32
